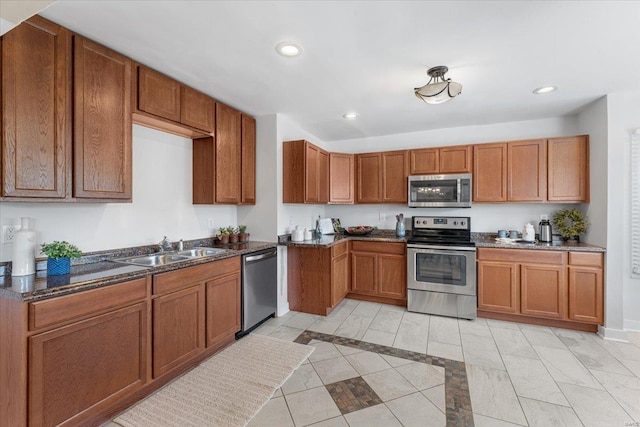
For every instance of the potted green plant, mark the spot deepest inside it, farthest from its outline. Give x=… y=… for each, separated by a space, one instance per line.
x=233 y=235
x=59 y=255
x=223 y=237
x=570 y=224
x=243 y=236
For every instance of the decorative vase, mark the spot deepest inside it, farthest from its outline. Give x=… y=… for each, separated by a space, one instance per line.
x=24 y=250
x=243 y=237
x=400 y=231
x=58 y=266
x=233 y=238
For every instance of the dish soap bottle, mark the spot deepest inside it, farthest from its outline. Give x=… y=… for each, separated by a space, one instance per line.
x=318 y=235
x=400 y=230
x=24 y=250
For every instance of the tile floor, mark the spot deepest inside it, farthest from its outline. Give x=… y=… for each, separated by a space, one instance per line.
x=517 y=374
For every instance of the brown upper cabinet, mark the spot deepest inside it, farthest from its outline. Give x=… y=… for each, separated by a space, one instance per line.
x=341 y=178
x=568 y=169
x=536 y=171
x=490 y=172
x=305 y=176
x=456 y=159
x=248 y=160
x=527 y=171
x=228 y=154
x=224 y=166
x=168 y=99
x=382 y=177
x=102 y=122
x=36 y=110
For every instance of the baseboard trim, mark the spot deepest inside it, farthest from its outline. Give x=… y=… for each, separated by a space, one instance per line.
x=283 y=310
x=632 y=325
x=612 y=334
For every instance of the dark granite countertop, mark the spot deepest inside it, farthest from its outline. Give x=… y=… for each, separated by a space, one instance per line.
x=488 y=240
x=95 y=270
x=482 y=240
x=329 y=240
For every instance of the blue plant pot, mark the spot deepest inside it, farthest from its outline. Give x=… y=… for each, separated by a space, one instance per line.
x=58 y=266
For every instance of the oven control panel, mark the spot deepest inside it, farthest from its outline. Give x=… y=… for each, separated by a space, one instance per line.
x=442 y=222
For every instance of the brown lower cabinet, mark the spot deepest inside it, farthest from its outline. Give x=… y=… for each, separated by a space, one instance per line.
x=379 y=270
x=317 y=277
x=79 y=359
x=534 y=285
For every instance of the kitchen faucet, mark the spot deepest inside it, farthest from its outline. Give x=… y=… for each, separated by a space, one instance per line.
x=165 y=245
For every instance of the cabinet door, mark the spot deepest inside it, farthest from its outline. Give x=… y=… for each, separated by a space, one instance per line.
x=248 y=160
x=311 y=168
x=543 y=291
x=392 y=276
x=568 y=169
x=223 y=308
x=456 y=159
x=363 y=273
x=369 y=178
x=585 y=294
x=323 y=176
x=424 y=161
x=339 y=278
x=80 y=369
x=228 y=154
x=178 y=328
x=102 y=122
x=527 y=171
x=36 y=109
x=158 y=95
x=490 y=173
x=341 y=176
x=394 y=177
x=498 y=287
x=196 y=109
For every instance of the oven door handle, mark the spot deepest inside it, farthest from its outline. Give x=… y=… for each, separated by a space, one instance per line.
x=447 y=248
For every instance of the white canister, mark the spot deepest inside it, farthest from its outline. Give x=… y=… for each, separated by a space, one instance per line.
x=308 y=235
x=297 y=235
x=24 y=250
x=529 y=233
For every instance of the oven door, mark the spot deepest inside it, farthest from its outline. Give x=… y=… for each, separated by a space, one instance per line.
x=442 y=269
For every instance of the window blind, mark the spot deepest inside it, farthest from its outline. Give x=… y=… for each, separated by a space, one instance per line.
x=635 y=203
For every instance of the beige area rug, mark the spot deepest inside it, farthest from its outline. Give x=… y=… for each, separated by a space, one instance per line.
x=226 y=390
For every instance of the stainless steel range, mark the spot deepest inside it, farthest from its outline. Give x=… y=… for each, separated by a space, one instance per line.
x=441 y=267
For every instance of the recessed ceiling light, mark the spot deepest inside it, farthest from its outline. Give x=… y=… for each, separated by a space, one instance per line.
x=544 y=89
x=350 y=116
x=289 y=49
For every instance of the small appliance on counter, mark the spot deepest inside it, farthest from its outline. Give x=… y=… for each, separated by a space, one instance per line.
x=546 y=234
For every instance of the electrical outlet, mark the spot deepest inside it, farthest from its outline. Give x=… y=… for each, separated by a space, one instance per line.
x=382 y=217
x=543 y=217
x=210 y=223
x=8 y=232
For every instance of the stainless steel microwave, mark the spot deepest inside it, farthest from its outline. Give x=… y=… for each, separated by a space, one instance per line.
x=440 y=191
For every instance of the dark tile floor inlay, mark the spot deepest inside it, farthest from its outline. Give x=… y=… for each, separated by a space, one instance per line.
x=458 y=400
x=353 y=394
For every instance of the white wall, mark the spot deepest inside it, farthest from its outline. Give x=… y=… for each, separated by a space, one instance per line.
x=624 y=117
x=161 y=204
x=484 y=217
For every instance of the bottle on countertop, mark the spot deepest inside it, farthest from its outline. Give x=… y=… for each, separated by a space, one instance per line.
x=24 y=250
x=318 y=235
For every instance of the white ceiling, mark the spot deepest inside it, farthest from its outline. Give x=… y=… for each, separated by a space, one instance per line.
x=367 y=56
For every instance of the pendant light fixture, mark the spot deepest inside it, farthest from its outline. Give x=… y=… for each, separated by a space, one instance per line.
x=438 y=89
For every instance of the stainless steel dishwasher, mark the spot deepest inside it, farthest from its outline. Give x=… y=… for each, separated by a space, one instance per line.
x=259 y=288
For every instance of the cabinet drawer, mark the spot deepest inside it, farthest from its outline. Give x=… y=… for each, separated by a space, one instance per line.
x=76 y=306
x=586 y=258
x=339 y=249
x=174 y=280
x=387 y=248
x=522 y=255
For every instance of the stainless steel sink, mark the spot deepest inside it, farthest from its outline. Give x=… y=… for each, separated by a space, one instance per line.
x=201 y=252
x=153 y=260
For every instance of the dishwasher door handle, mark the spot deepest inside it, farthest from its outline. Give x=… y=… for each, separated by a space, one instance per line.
x=261 y=256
